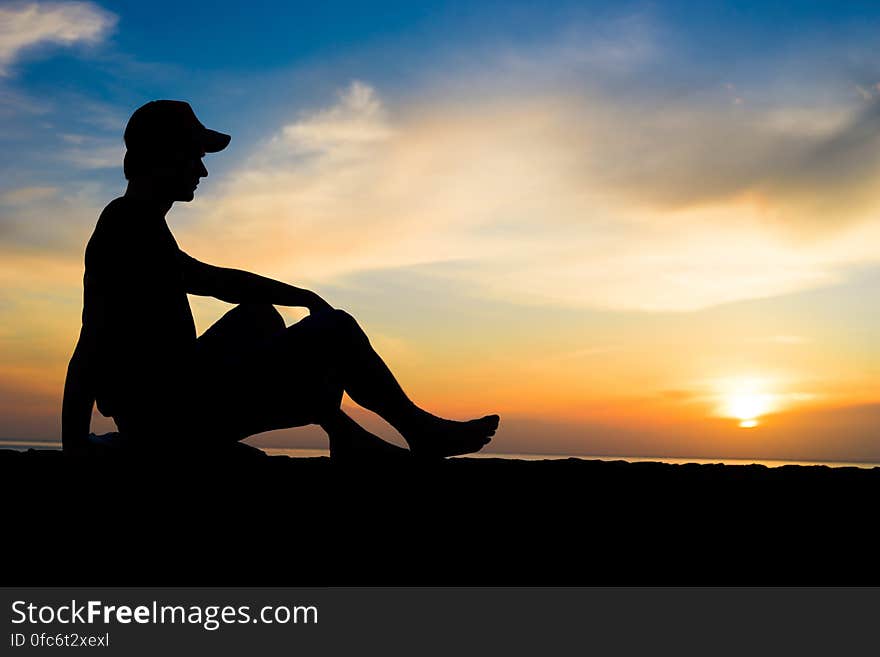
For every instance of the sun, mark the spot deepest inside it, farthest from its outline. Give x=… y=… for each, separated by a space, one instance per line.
x=747 y=407
x=746 y=400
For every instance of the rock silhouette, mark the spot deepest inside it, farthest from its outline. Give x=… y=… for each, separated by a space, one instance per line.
x=275 y=520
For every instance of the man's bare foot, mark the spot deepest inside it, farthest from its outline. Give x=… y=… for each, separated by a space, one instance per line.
x=430 y=436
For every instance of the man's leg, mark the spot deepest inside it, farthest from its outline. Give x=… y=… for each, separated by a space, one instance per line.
x=369 y=382
x=240 y=331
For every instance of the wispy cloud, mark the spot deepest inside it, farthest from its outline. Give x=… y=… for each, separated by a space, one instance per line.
x=615 y=196
x=784 y=339
x=28 y=24
x=14 y=102
x=25 y=195
x=95 y=154
x=358 y=119
x=48 y=220
x=546 y=199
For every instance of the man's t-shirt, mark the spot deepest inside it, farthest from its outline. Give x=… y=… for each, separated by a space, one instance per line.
x=136 y=309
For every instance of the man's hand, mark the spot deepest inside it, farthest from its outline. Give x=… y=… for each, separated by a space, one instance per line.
x=316 y=304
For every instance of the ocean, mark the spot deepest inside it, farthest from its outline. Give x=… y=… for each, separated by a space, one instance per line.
x=301 y=452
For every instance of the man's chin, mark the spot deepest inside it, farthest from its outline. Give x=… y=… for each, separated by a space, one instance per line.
x=186 y=197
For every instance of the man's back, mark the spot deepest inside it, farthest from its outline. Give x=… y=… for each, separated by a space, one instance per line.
x=136 y=309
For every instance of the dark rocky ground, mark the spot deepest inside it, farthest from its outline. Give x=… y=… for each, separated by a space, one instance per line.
x=242 y=519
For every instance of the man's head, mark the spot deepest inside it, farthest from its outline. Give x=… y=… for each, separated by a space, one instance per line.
x=165 y=144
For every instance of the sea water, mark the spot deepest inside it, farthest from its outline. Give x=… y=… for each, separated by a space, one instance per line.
x=303 y=452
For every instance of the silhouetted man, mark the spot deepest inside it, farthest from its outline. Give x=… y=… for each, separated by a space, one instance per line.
x=138 y=355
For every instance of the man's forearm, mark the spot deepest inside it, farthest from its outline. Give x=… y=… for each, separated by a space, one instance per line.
x=236 y=286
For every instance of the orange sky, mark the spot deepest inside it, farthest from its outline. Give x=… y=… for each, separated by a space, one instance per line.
x=612 y=277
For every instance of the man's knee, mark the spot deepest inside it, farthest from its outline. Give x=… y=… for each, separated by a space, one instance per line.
x=344 y=328
x=334 y=321
x=343 y=320
x=331 y=333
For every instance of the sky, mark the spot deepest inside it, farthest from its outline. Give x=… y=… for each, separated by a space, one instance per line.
x=629 y=228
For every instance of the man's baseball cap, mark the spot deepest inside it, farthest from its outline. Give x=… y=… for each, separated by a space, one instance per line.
x=163 y=125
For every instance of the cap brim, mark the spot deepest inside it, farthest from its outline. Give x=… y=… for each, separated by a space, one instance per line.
x=213 y=141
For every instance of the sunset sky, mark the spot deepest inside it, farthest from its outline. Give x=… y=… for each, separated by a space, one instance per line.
x=645 y=229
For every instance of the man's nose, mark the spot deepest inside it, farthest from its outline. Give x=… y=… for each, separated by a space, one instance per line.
x=203 y=172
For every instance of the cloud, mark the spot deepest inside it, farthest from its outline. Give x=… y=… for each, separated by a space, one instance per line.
x=47 y=220
x=25 y=25
x=530 y=187
x=25 y=195
x=102 y=155
x=358 y=119
x=13 y=103
x=808 y=170
x=837 y=174
x=784 y=339
x=549 y=199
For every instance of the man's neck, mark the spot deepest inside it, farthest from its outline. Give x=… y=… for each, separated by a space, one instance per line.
x=142 y=191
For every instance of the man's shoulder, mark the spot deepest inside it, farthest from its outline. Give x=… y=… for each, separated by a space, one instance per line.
x=119 y=230
x=126 y=217
x=118 y=204
x=118 y=214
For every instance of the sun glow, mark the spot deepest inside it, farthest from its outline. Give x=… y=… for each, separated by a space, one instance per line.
x=746 y=400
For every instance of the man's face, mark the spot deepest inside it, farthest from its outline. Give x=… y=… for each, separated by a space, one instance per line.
x=178 y=176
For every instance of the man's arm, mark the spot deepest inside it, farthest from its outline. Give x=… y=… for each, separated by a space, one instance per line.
x=79 y=395
x=236 y=286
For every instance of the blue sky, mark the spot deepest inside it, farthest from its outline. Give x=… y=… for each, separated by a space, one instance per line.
x=597 y=216
x=244 y=64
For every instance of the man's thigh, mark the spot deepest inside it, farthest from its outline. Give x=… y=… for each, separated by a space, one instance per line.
x=282 y=380
x=245 y=328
